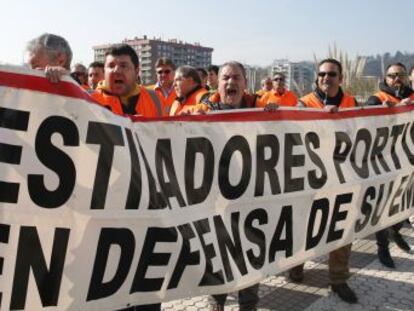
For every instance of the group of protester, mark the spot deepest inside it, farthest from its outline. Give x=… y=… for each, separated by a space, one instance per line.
x=187 y=90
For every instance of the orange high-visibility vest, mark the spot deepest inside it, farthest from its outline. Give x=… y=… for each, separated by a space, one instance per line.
x=185 y=106
x=260 y=93
x=288 y=98
x=385 y=97
x=166 y=102
x=145 y=105
x=312 y=101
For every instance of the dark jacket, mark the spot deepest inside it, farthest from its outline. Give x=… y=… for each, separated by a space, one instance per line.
x=400 y=94
x=326 y=100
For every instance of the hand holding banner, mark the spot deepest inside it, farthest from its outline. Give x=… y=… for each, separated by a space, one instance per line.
x=99 y=211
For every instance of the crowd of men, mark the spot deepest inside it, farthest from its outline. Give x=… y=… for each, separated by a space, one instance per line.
x=188 y=90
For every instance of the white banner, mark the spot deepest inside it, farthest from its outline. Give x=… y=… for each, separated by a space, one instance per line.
x=98 y=211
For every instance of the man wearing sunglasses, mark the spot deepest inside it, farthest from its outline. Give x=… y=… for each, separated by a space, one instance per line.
x=279 y=95
x=394 y=89
x=329 y=95
x=164 y=88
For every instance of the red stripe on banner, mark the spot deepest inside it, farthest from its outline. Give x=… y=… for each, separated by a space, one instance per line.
x=41 y=84
x=29 y=82
x=281 y=115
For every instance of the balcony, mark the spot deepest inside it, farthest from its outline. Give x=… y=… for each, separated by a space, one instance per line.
x=145 y=48
x=145 y=61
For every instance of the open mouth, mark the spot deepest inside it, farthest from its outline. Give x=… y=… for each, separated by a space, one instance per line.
x=231 y=92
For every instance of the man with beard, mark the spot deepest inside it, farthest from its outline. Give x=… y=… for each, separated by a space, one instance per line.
x=119 y=90
x=394 y=89
x=328 y=95
x=120 y=93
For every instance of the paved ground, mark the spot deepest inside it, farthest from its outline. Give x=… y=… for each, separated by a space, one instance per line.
x=377 y=287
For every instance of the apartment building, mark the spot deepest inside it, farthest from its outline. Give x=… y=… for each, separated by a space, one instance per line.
x=149 y=50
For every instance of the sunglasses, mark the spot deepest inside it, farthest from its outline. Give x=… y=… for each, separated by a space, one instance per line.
x=397 y=74
x=331 y=74
x=279 y=79
x=160 y=72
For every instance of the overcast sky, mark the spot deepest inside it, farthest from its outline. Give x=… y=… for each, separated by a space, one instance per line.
x=254 y=32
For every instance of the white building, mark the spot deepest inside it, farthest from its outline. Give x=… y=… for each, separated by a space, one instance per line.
x=299 y=76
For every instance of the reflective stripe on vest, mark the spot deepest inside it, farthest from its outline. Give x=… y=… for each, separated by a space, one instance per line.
x=156 y=101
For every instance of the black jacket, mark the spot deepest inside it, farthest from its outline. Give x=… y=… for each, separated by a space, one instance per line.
x=404 y=92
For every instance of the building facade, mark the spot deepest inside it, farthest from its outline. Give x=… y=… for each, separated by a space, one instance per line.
x=149 y=50
x=299 y=75
x=254 y=75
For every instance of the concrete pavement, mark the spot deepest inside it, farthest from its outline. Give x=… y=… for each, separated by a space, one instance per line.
x=377 y=287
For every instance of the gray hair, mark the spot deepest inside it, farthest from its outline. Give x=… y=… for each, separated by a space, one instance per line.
x=234 y=64
x=52 y=45
x=189 y=72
